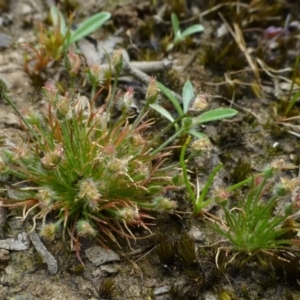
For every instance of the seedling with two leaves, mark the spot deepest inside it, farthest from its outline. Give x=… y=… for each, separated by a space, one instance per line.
x=180 y=36
x=53 y=43
x=86 y=28
x=191 y=115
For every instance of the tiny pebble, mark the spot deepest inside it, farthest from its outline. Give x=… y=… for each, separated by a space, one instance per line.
x=98 y=255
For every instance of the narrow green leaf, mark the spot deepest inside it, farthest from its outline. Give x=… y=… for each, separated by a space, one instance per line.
x=216 y=114
x=192 y=29
x=197 y=135
x=187 y=95
x=199 y=202
x=175 y=25
x=58 y=18
x=293 y=101
x=162 y=111
x=89 y=26
x=171 y=97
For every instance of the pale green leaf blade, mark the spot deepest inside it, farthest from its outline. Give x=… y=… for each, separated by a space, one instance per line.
x=216 y=114
x=171 y=97
x=187 y=95
x=196 y=134
x=192 y=29
x=175 y=24
x=162 y=111
x=89 y=26
x=58 y=18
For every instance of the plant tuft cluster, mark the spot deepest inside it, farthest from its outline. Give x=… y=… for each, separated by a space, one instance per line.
x=93 y=176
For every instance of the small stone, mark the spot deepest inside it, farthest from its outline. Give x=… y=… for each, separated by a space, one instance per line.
x=48 y=258
x=161 y=290
x=18 y=244
x=221 y=31
x=5 y=40
x=6 y=19
x=109 y=269
x=273 y=45
x=4 y=255
x=294 y=26
x=210 y=296
x=197 y=234
x=25 y=9
x=99 y=256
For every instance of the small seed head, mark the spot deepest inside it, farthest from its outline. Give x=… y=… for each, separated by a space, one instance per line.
x=221 y=195
x=128 y=97
x=94 y=75
x=137 y=140
x=258 y=180
x=85 y=229
x=21 y=152
x=72 y=62
x=45 y=196
x=289 y=185
x=3 y=166
x=109 y=150
x=201 y=145
x=152 y=92
x=268 y=171
x=142 y=169
x=50 y=92
x=277 y=164
x=129 y=214
x=117 y=59
x=125 y=101
x=52 y=158
x=164 y=204
x=63 y=106
x=88 y=191
x=117 y=165
x=48 y=231
x=199 y=104
x=279 y=190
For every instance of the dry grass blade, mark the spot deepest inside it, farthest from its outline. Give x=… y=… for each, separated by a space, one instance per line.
x=295 y=128
x=269 y=71
x=218 y=6
x=239 y=39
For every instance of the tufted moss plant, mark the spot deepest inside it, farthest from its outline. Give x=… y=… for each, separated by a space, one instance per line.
x=107 y=289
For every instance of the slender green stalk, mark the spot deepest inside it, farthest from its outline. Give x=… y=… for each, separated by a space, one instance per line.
x=163 y=132
x=94 y=90
x=140 y=115
x=185 y=173
x=170 y=140
x=240 y=184
x=114 y=90
x=200 y=203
